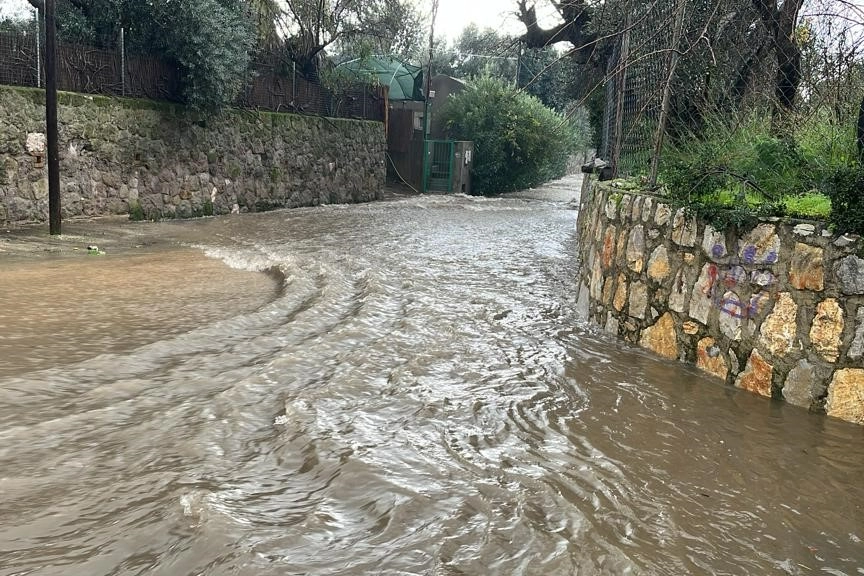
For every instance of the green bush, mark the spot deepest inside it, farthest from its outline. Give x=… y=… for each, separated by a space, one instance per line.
x=737 y=173
x=811 y=205
x=746 y=158
x=210 y=41
x=136 y=212
x=846 y=189
x=518 y=142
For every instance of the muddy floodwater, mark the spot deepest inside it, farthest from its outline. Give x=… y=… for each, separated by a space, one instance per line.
x=395 y=388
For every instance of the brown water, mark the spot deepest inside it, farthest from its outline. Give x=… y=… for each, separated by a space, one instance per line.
x=418 y=397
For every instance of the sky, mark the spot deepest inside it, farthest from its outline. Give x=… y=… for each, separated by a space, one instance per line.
x=453 y=15
x=14 y=8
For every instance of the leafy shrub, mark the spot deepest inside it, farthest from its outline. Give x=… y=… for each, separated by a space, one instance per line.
x=746 y=158
x=735 y=174
x=518 y=141
x=136 y=212
x=211 y=41
x=846 y=189
x=810 y=205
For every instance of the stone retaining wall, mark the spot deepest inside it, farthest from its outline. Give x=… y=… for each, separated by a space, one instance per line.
x=777 y=309
x=153 y=159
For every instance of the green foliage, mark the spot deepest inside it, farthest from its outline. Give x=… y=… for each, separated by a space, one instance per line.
x=394 y=28
x=18 y=25
x=479 y=52
x=827 y=146
x=846 y=189
x=596 y=106
x=518 y=141
x=722 y=216
x=315 y=26
x=744 y=158
x=209 y=40
x=811 y=205
x=136 y=212
x=340 y=81
x=743 y=172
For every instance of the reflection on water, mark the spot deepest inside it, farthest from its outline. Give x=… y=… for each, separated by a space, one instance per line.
x=416 y=398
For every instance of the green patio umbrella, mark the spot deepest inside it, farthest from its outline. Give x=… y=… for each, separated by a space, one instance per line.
x=405 y=80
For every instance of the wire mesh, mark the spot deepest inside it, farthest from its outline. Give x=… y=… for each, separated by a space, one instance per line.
x=789 y=70
x=634 y=84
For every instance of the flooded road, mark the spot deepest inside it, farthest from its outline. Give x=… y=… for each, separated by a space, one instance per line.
x=401 y=387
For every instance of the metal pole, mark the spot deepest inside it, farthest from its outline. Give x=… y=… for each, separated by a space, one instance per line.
x=51 y=118
x=38 y=51
x=123 y=61
x=518 y=63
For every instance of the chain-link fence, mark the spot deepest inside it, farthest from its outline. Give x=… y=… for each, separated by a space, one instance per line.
x=634 y=84
x=787 y=74
x=273 y=84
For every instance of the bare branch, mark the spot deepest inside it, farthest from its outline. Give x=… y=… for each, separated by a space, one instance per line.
x=574 y=29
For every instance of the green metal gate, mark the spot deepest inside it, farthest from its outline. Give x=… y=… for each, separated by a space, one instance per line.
x=438 y=165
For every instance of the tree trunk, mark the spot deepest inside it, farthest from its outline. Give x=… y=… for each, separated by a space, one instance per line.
x=781 y=21
x=788 y=74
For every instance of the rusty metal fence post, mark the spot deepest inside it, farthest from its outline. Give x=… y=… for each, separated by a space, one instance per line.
x=667 y=93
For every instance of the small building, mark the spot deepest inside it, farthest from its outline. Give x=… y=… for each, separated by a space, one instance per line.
x=425 y=161
x=433 y=163
x=443 y=87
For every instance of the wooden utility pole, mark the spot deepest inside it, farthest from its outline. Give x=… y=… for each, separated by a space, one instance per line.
x=51 y=117
x=426 y=163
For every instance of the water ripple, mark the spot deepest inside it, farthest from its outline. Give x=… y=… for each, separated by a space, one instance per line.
x=407 y=391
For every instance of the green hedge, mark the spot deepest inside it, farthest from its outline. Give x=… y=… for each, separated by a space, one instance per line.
x=518 y=142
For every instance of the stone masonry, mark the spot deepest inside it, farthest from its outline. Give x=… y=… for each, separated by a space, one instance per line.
x=118 y=156
x=777 y=310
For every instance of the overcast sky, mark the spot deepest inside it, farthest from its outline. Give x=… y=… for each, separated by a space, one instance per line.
x=453 y=15
x=14 y=8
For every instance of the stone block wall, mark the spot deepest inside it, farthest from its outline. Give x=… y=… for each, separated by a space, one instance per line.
x=121 y=155
x=777 y=309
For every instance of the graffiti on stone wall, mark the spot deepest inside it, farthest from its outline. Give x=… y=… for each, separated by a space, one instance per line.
x=722 y=284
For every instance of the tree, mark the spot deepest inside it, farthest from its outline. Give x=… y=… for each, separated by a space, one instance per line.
x=210 y=40
x=17 y=25
x=486 y=52
x=311 y=26
x=550 y=76
x=518 y=141
x=781 y=21
x=576 y=26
